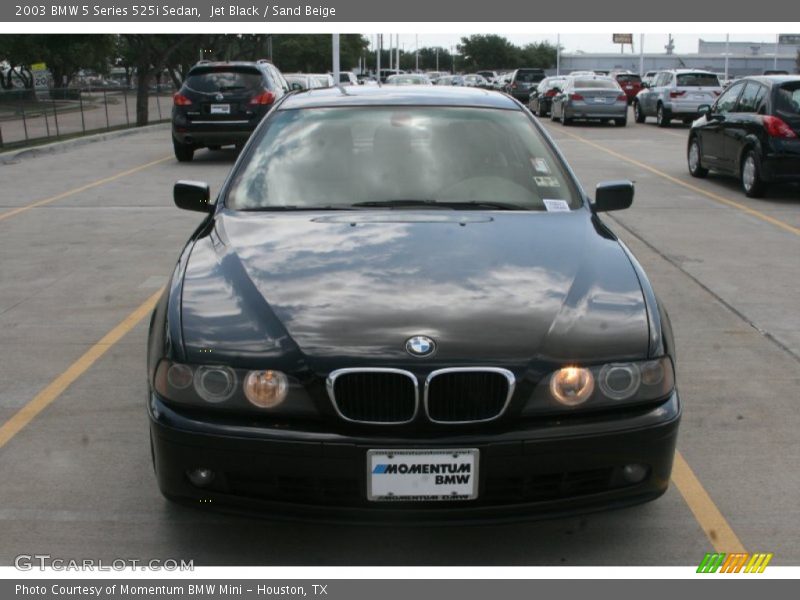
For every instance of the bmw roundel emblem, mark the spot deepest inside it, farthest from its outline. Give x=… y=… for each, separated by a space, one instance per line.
x=420 y=345
x=219 y=97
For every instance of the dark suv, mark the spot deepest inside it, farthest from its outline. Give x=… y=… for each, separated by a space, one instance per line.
x=221 y=103
x=752 y=132
x=520 y=83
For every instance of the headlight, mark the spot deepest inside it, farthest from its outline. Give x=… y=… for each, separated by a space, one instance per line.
x=572 y=386
x=214 y=384
x=602 y=386
x=224 y=387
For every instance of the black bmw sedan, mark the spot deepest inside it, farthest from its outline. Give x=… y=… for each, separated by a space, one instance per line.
x=751 y=132
x=402 y=304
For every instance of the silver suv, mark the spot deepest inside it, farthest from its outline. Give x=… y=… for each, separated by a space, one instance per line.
x=676 y=94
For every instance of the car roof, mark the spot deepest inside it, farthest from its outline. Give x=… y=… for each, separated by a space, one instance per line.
x=399 y=96
x=773 y=79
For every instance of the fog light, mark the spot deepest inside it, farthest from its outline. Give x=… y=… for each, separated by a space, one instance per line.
x=572 y=385
x=266 y=389
x=634 y=473
x=200 y=477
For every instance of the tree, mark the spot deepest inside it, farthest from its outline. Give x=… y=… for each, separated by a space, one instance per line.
x=427 y=59
x=150 y=54
x=487 y=52
x=19 y=51
x=311 y=53
x=540 y=54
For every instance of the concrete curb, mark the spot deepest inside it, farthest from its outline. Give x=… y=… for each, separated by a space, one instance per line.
x=14 y=156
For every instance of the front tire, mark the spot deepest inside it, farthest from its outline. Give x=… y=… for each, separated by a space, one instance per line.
x=752 y=184
x=694 y=159
x=183 y=152
x=662 y=120
x=565 y=121
x=638 y=113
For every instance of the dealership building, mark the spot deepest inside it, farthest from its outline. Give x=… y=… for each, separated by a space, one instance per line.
x=744 y=58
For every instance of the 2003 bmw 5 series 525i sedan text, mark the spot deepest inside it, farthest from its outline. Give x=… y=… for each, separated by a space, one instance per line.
x=402 y=304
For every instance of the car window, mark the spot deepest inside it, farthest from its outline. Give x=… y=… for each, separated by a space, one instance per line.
x=727 y=101
x=223 y=79
x=661 y=80
x=529 y=76
x=628 y=78
x=697 y=80
x=787 y=99
x=380 y=154
x=750 y=98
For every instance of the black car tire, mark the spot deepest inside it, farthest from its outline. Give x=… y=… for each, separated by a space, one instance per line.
x=540 y=111
x=695 y=163
x=638 y=113
x=662 y=120
x=621 y=122
x=565 y=121
x=753 y=185
x=183 y=152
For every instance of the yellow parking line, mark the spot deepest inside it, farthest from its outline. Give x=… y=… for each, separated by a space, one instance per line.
x=44 y=398
x=709 y=517
x=716 y=197
x=11 y=213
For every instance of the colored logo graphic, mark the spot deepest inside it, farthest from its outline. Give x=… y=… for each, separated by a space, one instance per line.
x=736 y=562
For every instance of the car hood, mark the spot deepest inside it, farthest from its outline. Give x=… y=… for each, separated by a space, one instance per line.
x=351 y=287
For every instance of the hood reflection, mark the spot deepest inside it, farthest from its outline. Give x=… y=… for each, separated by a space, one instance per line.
x=509 y=288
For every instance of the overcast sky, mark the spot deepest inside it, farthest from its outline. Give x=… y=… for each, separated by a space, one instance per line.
x=684 y=43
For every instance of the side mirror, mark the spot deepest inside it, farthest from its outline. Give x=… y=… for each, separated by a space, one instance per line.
x=613 y=195
x=645 y=85
x=295 y=86
x=192 y=195
x=704 y=110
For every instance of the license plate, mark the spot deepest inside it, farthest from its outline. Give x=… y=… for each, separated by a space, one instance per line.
x=699 y=97
x=422 y=475
x=600 y=100
x=220 y=109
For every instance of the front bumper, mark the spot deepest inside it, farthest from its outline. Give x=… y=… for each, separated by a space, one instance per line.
x=543 y=468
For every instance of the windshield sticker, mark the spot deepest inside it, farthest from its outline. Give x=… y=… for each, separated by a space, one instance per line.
x=540 y=165
x=556 y=205
x=550 y=182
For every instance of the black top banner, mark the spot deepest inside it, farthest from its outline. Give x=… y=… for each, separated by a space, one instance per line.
x=215 y=11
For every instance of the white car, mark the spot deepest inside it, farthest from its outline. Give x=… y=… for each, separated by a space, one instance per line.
x=676 y=94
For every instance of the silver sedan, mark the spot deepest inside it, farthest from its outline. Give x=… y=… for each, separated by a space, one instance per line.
x=590 y=98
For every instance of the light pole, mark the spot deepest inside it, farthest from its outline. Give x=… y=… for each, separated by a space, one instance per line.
x=416 y=52
x=727 y=53
x=558 y=54
x=336 y=58
x=641 y=55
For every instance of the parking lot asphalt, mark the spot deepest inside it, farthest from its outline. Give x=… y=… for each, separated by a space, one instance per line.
x=88 y=236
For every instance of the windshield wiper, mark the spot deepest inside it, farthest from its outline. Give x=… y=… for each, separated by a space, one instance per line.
x=468 y=205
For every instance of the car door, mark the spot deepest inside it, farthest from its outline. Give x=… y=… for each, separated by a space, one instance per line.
x=712 y=132
x=647 y=100
x=741 y=123
x=559 y=99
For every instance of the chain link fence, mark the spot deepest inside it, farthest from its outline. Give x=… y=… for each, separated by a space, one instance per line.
x=34 y=116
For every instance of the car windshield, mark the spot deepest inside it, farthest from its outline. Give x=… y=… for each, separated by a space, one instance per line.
x=529 y=76
x=697 y=80
x=629 y=78
x=216 y=79
x=426 y=157
x=595 y=84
